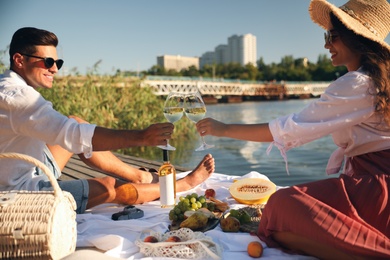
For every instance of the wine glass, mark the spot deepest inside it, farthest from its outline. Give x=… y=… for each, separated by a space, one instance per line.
x=195 y=110
x=173 y=111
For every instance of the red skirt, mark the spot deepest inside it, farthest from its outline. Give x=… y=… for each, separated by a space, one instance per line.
x=350 y=213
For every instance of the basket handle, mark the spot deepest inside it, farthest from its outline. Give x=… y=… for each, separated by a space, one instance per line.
x=37 y=163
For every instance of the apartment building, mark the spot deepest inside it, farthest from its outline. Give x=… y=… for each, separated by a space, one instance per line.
x=177 y=62
x=239 y=49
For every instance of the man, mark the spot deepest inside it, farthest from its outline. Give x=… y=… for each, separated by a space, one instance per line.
x=29 y=125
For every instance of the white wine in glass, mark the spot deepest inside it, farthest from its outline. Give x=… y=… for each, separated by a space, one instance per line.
x=173 y=110
x=195 y=110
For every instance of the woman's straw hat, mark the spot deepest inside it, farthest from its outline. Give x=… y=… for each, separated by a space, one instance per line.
x=368 y=18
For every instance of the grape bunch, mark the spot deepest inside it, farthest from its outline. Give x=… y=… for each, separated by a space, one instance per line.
x=190 y=202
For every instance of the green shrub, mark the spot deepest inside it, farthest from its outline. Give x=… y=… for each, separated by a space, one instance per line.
x=119 y=103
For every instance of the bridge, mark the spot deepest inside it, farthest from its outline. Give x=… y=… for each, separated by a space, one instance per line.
x=208 y=87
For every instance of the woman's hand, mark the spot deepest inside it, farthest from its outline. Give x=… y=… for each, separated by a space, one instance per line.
x=209 y=126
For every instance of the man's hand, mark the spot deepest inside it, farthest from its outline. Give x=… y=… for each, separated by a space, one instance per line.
x=157 y=134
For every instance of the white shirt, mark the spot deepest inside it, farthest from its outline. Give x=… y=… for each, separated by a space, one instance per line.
x=346 y=111
x=27 y=123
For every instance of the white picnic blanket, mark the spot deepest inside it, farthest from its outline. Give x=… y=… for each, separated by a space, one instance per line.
x=116 y=238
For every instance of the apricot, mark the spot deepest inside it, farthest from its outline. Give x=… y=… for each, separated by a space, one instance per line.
x=173 y=239
x=255 y=249
x=151 y=239
x=209 y=193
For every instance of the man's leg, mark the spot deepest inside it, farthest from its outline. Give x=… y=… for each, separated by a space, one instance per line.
x=110 y=190
x=104 y=161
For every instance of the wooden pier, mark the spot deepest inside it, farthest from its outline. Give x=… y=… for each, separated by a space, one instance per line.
x=76 y=169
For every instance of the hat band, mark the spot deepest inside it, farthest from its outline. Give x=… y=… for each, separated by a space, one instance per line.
x=351 y=13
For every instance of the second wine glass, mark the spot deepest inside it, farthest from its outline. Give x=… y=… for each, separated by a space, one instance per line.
x=195 y=110
x=173 y=110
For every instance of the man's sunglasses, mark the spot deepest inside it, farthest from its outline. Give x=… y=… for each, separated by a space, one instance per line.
x=329 y=37
x=49 y=62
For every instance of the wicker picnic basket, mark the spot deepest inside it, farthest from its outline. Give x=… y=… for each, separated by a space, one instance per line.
x=37 y=224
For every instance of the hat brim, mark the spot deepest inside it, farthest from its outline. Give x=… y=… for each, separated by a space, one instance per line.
x=320 y=13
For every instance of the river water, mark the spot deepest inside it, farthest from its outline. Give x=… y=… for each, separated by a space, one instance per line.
x=236 y=157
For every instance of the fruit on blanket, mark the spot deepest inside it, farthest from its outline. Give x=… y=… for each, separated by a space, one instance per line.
x=219 y=205
x=196 y=221
x=252 y=190
x=189 y=202
x=255 y=249
x=205 y=211
x=209 y=193
x=173 y=239
x=151 y=239
x=241 y=215
x=230 y=224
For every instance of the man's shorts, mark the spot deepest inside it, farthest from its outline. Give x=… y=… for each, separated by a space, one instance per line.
x=78 y=188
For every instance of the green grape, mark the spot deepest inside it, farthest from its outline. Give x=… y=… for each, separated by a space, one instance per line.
x=187 y=207
x=191 y=202
x=172 y=214
x=211 y=206
x=183 y=208
x=177 y=210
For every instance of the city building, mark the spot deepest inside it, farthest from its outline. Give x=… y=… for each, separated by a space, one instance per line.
x=207 y=58
x=240 y=49
x=221 y=54
x=177 y=62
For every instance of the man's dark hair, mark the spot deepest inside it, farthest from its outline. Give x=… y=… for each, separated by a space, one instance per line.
x=25 y=39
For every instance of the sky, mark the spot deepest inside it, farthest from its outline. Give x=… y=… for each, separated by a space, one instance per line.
x=128 y=35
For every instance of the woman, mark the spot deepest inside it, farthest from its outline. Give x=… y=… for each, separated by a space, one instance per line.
x=346 y=217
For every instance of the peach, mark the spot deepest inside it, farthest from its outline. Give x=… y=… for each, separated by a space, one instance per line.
x=209 y=193
x=255 y=249
x=173 y=239
x=150 y=239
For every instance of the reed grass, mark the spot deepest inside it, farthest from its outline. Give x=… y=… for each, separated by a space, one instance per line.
x=116 y=102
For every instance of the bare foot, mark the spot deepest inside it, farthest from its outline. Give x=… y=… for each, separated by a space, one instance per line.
x=201 y=173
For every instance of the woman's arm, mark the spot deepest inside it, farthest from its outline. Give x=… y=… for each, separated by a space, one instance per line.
x=253 y=132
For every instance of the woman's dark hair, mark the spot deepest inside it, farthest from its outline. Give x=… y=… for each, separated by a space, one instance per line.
x=375 y=60
x=25 y=39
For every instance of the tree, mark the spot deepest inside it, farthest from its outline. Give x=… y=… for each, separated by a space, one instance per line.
x=3 y=54
x=251 y=71
x=191 y=71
